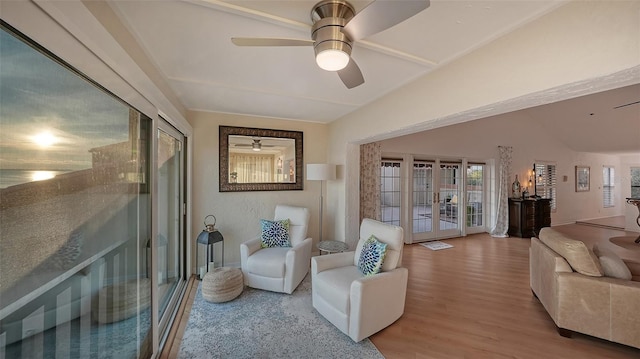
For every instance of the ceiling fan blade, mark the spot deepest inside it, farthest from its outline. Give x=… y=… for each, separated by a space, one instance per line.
x=381 y=15
x=266 y=41
x=351 y=75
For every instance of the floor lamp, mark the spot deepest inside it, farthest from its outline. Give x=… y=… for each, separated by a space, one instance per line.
x=321 y=172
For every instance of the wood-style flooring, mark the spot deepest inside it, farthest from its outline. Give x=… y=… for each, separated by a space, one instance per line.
x=474 y=301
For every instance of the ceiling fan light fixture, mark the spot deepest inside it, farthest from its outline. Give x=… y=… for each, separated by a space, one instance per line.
x=332 y=59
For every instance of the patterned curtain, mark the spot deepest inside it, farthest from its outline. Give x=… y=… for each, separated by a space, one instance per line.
x=502 y=220
x=370 y=157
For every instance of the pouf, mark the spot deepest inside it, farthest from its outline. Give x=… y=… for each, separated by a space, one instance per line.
x=222 y=284
x=120 y=301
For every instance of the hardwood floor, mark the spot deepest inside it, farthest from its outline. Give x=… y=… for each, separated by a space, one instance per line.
x=474 y=301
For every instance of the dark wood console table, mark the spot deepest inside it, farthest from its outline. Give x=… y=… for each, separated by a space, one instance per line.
x=636 y=202
x=528 y=216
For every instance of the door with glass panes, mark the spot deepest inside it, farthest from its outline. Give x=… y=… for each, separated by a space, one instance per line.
x=436 y=199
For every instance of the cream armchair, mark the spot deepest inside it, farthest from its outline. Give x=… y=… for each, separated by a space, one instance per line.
x=279 y=269
x=361 y=305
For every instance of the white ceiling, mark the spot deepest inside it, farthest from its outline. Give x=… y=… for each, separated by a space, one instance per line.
x=189 y=42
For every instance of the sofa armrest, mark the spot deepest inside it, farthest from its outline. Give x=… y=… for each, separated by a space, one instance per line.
x=383 y=294
x=247 y=249
x=603 y=307
x=297 y=264
x=329 y=261
x=544 y=267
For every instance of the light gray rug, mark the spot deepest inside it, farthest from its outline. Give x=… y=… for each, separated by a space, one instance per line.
x=262 y=324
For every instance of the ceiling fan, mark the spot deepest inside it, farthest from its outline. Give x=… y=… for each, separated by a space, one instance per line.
x=256 y=145
x=336 y=26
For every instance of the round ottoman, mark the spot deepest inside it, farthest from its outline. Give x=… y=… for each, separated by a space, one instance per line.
x=120 y=301
x=222 y=284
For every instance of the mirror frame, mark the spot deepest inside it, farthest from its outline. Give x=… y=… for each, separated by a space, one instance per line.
x=225 y=186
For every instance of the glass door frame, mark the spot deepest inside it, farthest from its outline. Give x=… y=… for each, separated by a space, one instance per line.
x=162 y=324
x=438 y=200
x=436 y=233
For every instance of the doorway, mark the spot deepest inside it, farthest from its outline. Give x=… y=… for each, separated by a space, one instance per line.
x=433 y=198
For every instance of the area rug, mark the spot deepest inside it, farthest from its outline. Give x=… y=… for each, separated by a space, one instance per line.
x=262 y=324
x=436 y=245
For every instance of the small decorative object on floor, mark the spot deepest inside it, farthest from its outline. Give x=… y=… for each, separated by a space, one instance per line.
x=436 y=245
x=222 y=284
x=121 y=301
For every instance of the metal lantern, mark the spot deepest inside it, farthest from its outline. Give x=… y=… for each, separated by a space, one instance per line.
x=209 y=236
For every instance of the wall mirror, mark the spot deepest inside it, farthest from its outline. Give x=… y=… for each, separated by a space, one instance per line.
x=257 y=159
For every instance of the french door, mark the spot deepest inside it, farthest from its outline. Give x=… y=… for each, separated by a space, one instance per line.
x=436 y=200
x=433 y=199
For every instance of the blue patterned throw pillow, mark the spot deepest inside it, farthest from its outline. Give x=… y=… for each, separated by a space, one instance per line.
x=372 y=256
x=274 y=233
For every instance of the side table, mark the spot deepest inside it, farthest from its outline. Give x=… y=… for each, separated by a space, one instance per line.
x=635 y=202
x=332 y=246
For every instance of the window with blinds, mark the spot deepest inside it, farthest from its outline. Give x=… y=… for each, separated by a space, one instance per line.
x=546 y=182
x=608 y=199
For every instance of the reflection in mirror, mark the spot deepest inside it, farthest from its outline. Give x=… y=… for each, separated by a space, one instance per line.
x=255 y=159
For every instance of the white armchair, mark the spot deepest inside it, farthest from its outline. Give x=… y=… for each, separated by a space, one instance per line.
x=279 y=269
x=361 y=305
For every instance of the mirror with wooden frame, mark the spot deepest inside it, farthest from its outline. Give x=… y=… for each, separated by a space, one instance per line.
x=257 y=159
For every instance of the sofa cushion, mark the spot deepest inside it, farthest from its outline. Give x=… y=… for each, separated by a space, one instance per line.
x=268 y=262
x=274 y=233
x=372 y=256
x=612 y=265
x=334 y=286
x=579 y=256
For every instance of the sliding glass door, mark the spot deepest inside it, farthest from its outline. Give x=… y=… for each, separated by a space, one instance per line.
x=170 y=244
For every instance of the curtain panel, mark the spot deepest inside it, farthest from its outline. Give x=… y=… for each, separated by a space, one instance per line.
x=502 y=219
x=252 y=168
x=370 y=157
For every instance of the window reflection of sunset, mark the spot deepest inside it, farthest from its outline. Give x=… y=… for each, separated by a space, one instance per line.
x=42 y=175
x=44 y=139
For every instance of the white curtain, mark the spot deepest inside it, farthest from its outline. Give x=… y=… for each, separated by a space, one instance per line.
x=248 y=168
x=502 y=219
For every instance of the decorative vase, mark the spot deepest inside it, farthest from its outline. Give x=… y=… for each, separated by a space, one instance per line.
x=515 y=188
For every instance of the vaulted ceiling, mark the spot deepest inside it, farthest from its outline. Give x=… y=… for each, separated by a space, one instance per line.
x=189 y=42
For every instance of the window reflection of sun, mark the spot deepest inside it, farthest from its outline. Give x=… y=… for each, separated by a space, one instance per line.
x=44 y=139
x=42 y=175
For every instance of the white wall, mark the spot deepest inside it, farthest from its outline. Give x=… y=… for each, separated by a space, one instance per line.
x=580 y=48
x=479 y=140
x=238 y=213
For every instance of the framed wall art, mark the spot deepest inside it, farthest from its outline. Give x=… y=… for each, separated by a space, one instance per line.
x=582 y=178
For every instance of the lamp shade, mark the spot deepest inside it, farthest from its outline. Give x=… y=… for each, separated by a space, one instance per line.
x=321 y=172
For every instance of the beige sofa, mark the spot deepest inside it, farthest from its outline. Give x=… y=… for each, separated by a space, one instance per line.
x=569 y=280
